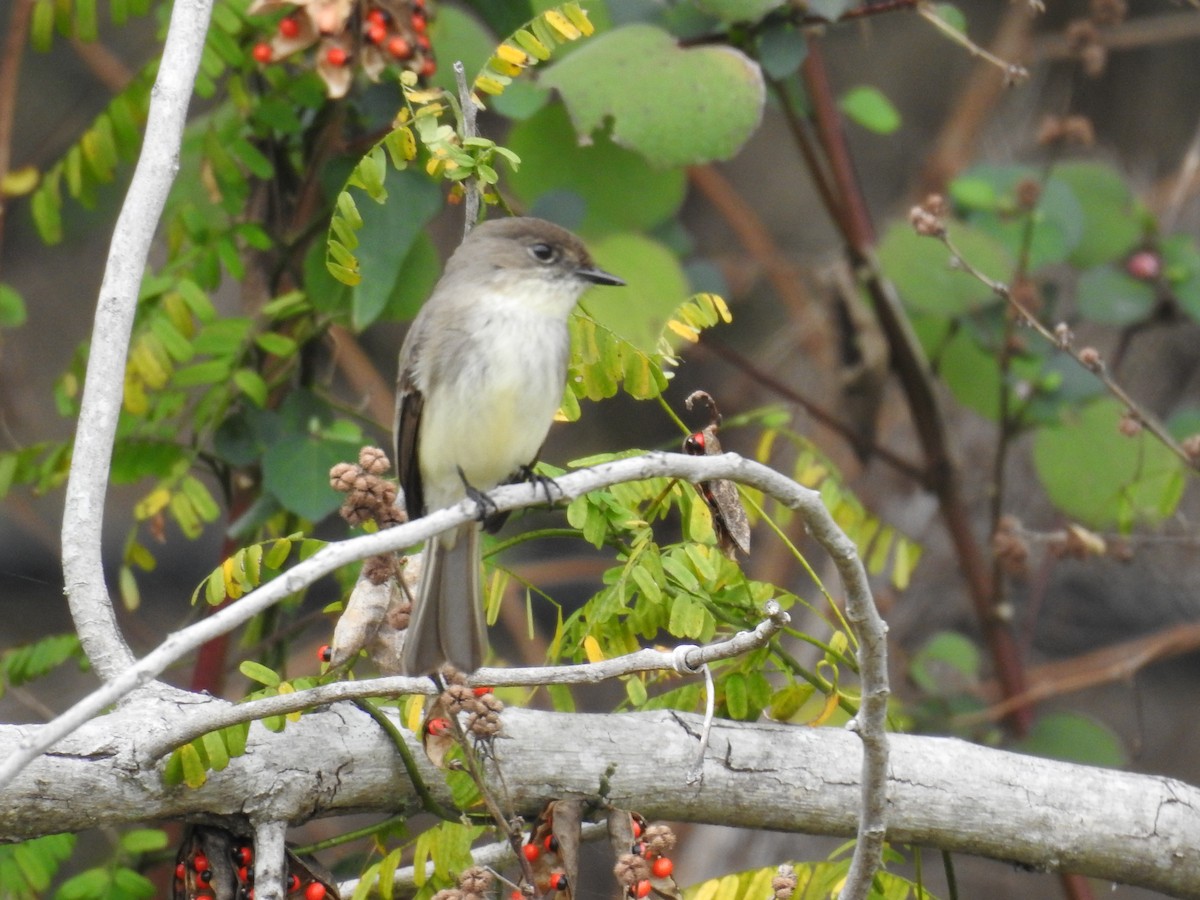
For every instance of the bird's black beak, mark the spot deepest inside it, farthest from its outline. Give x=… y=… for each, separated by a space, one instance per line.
x=599 y=276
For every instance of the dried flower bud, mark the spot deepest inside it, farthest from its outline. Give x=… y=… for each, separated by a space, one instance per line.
x=476 y=880
x=1025 y=295
x=630 y=869
x=783 y=885
x=458 y=697
x=928 y=219
x=378 y=569
x=1191 y=446
x=374 y=460
x=1130 y=424
x=1010 y=547
x=1063 y=335
x=1090 y=357
x=342 y=476
x=659 y=839
x=1029 y=191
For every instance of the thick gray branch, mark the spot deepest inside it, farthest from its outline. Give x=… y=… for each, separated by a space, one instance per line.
x=945 y=793
x=83 y=516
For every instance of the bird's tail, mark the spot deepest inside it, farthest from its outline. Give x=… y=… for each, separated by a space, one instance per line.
x=447 y=623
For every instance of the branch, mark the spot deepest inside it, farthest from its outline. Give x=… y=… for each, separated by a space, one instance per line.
x=654 y=465
x=83 y=515
x=686 y=659
x=943 y=792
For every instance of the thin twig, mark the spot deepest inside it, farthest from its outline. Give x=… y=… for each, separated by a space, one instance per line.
x=1088 y=358
x=87 y=485
x=469 y=130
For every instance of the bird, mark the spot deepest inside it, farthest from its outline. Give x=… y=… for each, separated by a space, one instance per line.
x=481 y=374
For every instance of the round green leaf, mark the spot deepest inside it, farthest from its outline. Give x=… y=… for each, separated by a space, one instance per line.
x=296 y=473
x=920 y=269
x=619 y=188
x=1076 y=738
x=674 y=106
x=1098 y=476
x=1111 y=223
x=1107 y=295
x=654 y=287
x=868 y=107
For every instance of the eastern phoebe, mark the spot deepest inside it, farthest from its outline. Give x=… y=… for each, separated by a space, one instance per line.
x=482 y=372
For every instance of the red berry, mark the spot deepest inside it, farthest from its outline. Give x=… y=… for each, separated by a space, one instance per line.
x=418 y=23
x=428 y=68
x=558 y=882
x=423 y=41
x=662 y=867
x=376 y=17
x=637 y=828
x=243 y=874
x=293 y=883
x=200 y=862
x=315 y=891
x=481 y=691
x=244 y=855
x=336 y=56
x=516 y=895
x=376 y=32
x=531 y=852
x=262 y=52
x=437 y=727
x=180 y=871
x=324 y=654
x=289 y=27
x=642 y=888
x=550 y=842
x=1145 y=265
x=399 y=48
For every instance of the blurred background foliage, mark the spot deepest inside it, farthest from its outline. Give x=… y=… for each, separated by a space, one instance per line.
x=747 y=166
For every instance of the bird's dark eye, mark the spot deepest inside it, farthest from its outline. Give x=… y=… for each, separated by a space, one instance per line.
x=543 y=253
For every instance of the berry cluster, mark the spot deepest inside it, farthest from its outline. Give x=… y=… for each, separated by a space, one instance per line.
x=213 y=863
x=647 y=861
x=369 y=496
x=369 y=34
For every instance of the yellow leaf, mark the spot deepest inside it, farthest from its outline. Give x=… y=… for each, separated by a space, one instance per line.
x=416 y=712
x=489 y=85
x=831 y=704
x=19 y=181
x=504 y=67
x=233 y=590
x=579 y=18
x=591 y=649
x=514 y=55
x=561 y=24
x=684 y=331
x=152 y=503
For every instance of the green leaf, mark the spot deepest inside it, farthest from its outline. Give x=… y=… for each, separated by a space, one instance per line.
x=388 y=234
x=1111 y=223
x=194 y=773
x=674 y=106
x=731 y=11
x=1098 y=476
x=12 y=308
x=867 y=106
x=252 y=385
x=1109 y=296
x=619 y=188
x=296 y=473
x=781 y=50
x=1074 y=737
x=143 y=840
x=920 y=268
x=256 y=671
x=654 y=288
x=947 y=663
x=275 y=343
